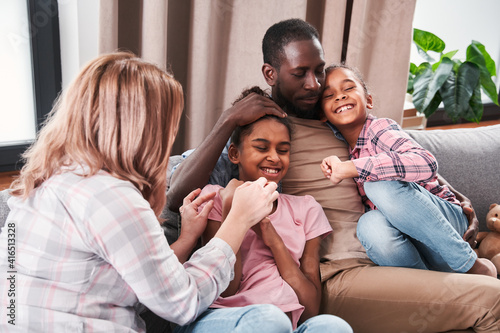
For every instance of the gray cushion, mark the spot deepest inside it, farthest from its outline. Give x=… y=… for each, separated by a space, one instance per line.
x=469 y=159
x=4 y=209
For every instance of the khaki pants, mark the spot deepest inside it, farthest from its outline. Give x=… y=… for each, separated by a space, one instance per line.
x=390 y=299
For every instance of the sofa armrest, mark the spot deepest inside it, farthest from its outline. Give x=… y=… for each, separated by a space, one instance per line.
x=4 y=208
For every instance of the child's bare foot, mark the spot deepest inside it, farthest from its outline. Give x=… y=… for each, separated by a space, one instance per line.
x=484 y=267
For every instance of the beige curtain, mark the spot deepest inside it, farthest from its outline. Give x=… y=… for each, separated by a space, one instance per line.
x=379 y=45
x=213 y=47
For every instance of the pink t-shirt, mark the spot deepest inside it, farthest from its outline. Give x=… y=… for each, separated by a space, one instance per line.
x=296 y=219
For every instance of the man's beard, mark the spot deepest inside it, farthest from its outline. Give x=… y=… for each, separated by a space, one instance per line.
x=292 y=109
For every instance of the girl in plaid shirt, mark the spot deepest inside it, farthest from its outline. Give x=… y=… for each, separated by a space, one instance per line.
x=411 y=220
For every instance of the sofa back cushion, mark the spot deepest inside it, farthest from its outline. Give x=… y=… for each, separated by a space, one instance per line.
x=469 y=159
x=4 y=209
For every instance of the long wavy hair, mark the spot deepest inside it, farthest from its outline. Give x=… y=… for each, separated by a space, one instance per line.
x=120 y=115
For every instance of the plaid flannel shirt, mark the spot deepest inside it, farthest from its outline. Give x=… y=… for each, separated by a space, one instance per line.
x=90 y=250
x=384 y=151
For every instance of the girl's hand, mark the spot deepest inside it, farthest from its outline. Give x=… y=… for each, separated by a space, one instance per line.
x=336 y=170
x=266 y=231
x=194 y=222
x=330 y=167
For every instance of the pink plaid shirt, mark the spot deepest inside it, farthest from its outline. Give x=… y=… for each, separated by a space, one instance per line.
x=90 y=250
x=385 y=152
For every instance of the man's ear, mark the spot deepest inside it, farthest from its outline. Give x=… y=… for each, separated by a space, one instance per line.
x=369 y=102
x=270 y=74
x=233 y=154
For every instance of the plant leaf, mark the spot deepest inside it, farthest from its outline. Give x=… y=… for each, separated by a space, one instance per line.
x=427 y=83
x=446 y=55
x=425 y=55
x=427 y=41
x=434 y=104
x=413 y=68
x=489 y=88
x=490 y=63
x=475 y=110
x=458 y=90
x=409 y=86
x=475 y=55
x=450 y=54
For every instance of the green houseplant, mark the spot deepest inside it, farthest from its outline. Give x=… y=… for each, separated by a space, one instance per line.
x=456 y=83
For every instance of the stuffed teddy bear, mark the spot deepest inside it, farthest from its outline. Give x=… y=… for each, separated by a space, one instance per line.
x=489 y=247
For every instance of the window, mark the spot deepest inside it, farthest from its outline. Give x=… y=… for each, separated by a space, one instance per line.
x=31 y=73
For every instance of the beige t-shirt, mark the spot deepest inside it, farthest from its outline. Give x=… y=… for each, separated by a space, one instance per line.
x=312 y=141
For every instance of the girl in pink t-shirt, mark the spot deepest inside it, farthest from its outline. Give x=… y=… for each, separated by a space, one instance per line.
x=278 y=262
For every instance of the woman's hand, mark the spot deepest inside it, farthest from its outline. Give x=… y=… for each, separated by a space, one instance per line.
x=227 y=195
x=194 y=222
x=252 y=201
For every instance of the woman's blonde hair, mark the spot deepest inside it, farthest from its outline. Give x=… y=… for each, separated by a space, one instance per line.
x=120 y=115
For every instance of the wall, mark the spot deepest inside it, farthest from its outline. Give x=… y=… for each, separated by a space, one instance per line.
x=79 y=30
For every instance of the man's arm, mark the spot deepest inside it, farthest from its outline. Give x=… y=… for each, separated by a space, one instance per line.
x=471 y=233
x=194 y=172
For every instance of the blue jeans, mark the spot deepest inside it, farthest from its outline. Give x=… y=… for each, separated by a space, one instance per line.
x=414 y=228
x=260 y=318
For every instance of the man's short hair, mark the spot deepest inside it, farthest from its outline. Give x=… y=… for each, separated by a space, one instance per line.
x=281 y=34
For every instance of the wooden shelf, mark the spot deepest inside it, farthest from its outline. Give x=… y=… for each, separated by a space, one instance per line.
x=6 y=178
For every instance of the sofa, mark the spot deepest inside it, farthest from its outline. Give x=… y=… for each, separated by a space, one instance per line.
x=468 y=159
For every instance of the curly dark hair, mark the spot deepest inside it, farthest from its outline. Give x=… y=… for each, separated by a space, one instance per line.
x=281 y=34
x=354 y=70
x=242 y=131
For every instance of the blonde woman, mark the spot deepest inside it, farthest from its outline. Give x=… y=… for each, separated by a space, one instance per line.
x=88 y=247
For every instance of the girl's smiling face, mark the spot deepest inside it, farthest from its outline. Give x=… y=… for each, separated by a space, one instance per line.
x=345 y=100
x=264 y=152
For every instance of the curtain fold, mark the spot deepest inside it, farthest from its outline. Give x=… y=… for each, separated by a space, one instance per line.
x=214 y=47
x=108 y=26
x=379 y=46
x=154 y=32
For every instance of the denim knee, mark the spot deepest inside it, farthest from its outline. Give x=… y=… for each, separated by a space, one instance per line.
x=377 y=236
x=264 y=318
x=324 y=323
x=363 y=228
x=384 y=189
x=369 y=227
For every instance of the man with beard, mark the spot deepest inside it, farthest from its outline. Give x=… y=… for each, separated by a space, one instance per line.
x=369 y=297
x=294 y=68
